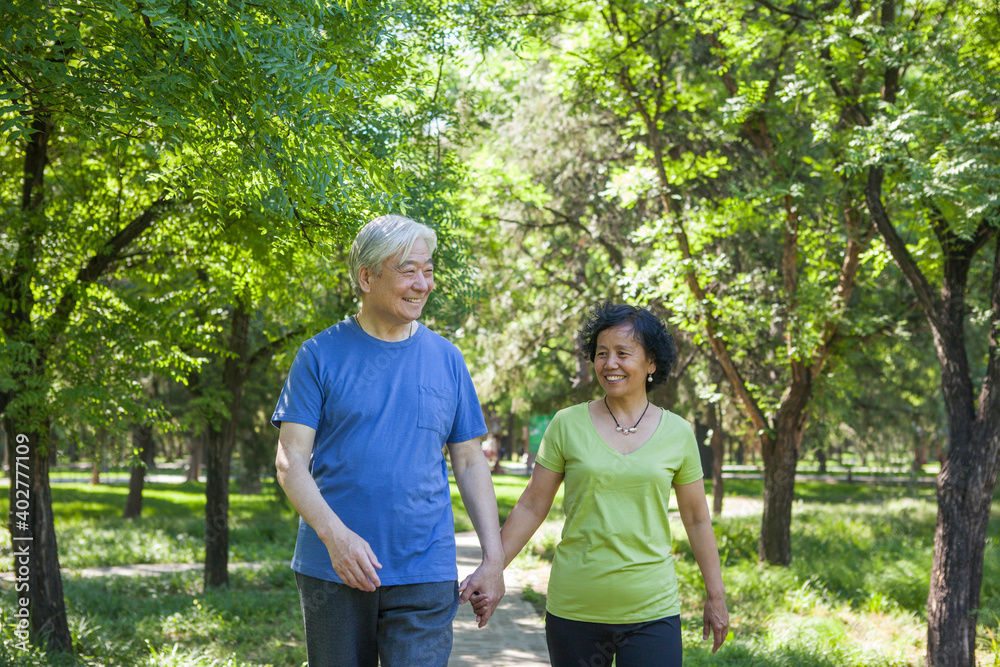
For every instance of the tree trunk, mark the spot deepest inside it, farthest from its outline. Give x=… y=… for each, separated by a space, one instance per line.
x=195 y=449
x=33 y=538
x=919 y=451
x=142 y=441
x=218 y=454
x=149 y=455
x=965 y=488
x=32 y=529
x=217 y=462
x=98 y=456
x=780 y=457
x=701 y=430
x=821 y=457
x=716 y=444
x=780 y=452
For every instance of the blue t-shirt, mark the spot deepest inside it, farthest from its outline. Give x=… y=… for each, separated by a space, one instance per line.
x=383 y=412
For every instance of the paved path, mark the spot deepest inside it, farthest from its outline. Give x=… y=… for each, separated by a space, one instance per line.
x=515 y=635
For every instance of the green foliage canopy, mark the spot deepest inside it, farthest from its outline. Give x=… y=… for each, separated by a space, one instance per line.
x=274 y=102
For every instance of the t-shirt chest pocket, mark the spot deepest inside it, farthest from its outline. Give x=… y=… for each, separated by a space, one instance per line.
x=437 y=409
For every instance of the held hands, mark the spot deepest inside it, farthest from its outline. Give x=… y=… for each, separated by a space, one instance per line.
x=716 y=621
x=484 y=588
x=354 y=561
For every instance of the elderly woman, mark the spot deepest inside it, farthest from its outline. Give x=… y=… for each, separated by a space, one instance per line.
x=367 y=408
x=613 y=591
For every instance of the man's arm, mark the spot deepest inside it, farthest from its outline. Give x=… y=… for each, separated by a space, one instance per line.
x=352 y=558
x=472 y=475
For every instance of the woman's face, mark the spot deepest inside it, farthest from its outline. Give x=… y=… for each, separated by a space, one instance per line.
x=621 y=362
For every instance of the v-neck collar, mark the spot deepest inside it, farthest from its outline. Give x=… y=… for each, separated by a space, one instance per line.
x=597 y=434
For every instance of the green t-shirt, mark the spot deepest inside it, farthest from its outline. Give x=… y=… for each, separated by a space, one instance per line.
x=613 y=563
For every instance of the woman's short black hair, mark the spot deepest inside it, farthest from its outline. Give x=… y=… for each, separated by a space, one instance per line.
x=648 y=330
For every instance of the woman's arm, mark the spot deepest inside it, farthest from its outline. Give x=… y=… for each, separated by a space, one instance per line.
x=698 y=523
x=530 y=511
x=522 y=522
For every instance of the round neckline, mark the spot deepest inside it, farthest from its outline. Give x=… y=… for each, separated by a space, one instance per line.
x=409 y=329
x=356 y=327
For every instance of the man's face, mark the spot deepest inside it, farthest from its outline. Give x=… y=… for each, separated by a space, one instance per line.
x=397 y=296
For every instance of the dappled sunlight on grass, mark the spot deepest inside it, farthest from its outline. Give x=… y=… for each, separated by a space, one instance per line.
x=888 y=633
x=821 y=638
x=854 y=594
x=170 y=621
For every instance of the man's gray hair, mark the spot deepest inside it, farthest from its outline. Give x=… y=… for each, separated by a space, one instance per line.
x=384 y=237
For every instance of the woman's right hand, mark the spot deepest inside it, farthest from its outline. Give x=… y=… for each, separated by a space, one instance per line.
x=716 y=621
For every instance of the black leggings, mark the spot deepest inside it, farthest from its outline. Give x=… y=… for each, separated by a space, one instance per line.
x=581 y=644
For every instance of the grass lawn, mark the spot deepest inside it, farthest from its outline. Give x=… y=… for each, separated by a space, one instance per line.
x=854 y=594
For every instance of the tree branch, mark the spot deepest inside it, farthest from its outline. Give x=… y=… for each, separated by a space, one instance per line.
x=99 y=263
x=941 y=229
x=727 y=79
x=36 y=156
x=754 y=411
x=941 y=20
x=718 y=346
x=679 y=368
x=852 y=111
x=890 y=80
x=794 y=11
x=790 y=253
x=611 y=21
x=856 y=243
x=269 y=350
x=897 y=247
x=982 y=236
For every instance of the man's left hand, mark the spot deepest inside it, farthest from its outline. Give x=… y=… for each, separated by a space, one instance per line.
x=485 y=588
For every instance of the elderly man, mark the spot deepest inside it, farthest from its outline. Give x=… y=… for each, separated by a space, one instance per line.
x=364 y=415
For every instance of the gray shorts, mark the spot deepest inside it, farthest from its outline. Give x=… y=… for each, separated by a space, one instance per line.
x=403 y=626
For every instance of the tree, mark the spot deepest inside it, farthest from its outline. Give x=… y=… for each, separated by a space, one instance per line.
x=744 y=209
x=142 y=445
x=934 y=138
x=547 y=248
x=757 y=125
x=264 y=301
x=117 y=122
